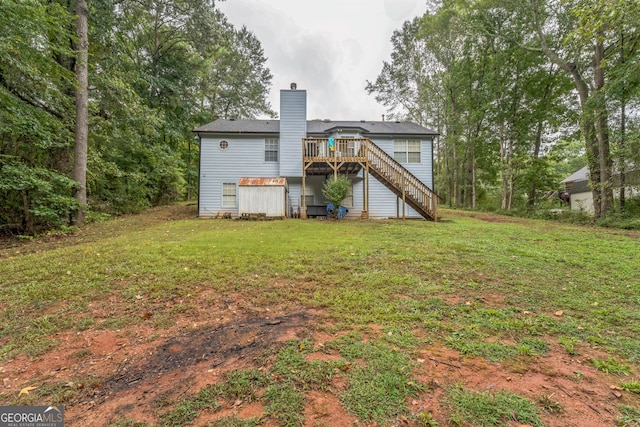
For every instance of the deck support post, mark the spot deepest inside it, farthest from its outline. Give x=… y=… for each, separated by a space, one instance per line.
x=366 y=190
x=335 y=160
x=404 y=198
x=303 y=201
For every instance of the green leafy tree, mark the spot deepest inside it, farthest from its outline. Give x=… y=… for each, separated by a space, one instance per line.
x=155 y=69
x=335 y=190
x=36 y=116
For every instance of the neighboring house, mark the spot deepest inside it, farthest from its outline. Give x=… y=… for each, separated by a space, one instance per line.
x=577 y=186
x=390 y=164
x=579 y=190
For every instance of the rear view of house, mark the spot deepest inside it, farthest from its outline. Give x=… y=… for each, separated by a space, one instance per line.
x=389 y=164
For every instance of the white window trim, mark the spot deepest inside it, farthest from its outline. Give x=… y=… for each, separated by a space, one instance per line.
x=277 y=149
x=406 y=151
x=235 y=194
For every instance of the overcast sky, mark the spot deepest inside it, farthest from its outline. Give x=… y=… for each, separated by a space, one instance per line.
x=328 y=47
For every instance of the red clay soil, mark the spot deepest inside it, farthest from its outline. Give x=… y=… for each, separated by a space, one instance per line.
x=128 y=373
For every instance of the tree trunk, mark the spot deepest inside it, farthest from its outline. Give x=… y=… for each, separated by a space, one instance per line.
x=588 y=118
x=536 y=154
x=474 y=196
x=623 y=130
x=454 y=194
x=602 y=131
x=28 y=221
x=503 y=158
x=82 y=109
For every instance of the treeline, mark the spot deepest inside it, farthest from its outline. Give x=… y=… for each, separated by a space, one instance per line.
x=511 y=85
x=157 y=69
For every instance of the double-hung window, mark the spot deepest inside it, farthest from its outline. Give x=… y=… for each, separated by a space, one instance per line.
x=229 y=195
x=271 y=149
x=406 y=150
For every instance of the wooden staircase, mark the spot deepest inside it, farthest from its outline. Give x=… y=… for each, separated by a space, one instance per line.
x=350 y=155
x=400 y=181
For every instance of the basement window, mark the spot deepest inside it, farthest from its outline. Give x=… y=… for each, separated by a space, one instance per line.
x=406 y=150
x=229 y=195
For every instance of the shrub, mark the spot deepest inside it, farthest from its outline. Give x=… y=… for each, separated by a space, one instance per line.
x=336 y=190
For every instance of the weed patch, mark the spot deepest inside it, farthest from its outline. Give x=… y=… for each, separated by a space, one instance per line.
x=486 y=409
x=611 y=366
x=629 y=416
x=379 y=381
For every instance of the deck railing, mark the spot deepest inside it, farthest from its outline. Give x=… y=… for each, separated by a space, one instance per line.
x=322 y=149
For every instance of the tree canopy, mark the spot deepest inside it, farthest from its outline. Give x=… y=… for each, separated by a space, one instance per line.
x=156 y=70
x=508 y=84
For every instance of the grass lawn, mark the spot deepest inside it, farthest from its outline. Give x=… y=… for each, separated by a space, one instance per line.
x=476 y=320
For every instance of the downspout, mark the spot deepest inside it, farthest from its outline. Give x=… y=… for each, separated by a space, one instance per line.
x=199 y=165
x=433 y=182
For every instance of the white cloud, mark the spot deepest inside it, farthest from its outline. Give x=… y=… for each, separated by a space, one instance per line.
x=330 y=48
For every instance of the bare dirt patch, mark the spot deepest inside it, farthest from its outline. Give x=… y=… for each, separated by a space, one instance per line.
x=133 y=373
x=119 y=374
x=584 y=395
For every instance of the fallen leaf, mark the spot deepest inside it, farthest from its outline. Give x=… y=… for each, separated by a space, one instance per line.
x=26 y=390
x=559 y=313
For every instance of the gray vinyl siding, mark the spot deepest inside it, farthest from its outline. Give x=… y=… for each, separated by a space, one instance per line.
x=293 y=128
x=243 y=158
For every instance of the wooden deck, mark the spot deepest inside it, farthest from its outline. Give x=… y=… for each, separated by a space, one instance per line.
x=334 y=156
x=344 y=156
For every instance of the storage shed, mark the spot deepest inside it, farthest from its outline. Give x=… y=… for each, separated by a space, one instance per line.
x=267 y=196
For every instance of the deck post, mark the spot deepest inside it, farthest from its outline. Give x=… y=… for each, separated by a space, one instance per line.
x=404 y=199
x=434 y=200
x=335 y=159
x=366 y=189
x=303 y=201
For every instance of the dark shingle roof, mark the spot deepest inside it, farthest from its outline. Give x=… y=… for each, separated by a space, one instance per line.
x=315 y=127
x=240 y=126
